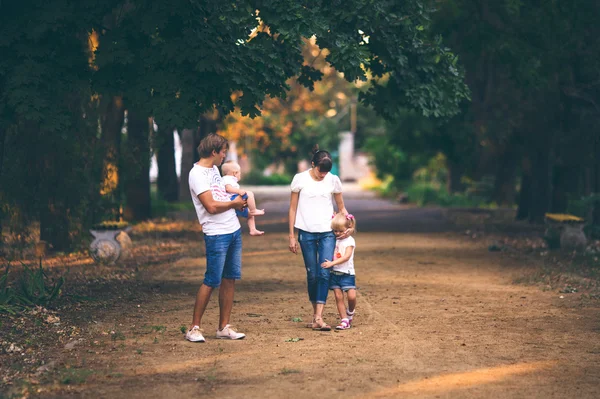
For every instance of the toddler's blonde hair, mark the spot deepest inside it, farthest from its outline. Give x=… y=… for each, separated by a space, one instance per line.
x=343 y=222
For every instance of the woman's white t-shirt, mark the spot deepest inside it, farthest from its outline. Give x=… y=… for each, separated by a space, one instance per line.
x=202 y=179
x=340 y=248
x=315 y=201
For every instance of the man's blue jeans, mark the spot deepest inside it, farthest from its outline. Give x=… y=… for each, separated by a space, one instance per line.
x=316 y=249
x=223 y=258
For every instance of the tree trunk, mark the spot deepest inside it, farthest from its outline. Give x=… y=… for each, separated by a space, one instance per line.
x=525 y=192
x=2 y=139
x=187 y=162
x=596 y=211
x=112 y=121
x=561 y=178
x=540 y=183
x=208 y=124
x=504 y=182
x=168 y=187
x=54 y=224
x=137 y=183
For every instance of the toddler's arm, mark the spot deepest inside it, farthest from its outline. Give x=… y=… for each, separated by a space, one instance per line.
x=231 y=190
x=344 y=258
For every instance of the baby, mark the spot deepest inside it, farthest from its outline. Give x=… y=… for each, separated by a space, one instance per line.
x=231 y=175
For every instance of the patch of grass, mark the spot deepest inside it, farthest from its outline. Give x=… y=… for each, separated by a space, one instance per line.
x=286 y=371
x=161 y=208
x=117 y=335
x=183 y=329
x=297 y=319
x=74 y=376
x=160 y=329
x=36 y=287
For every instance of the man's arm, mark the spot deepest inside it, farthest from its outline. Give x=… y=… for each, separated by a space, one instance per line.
x=213 y=207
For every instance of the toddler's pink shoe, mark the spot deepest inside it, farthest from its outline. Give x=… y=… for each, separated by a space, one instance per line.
x=344 y=325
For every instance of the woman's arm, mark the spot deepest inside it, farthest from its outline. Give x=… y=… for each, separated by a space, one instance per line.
x=292 y=221
x=339 y=201
x=345 y=258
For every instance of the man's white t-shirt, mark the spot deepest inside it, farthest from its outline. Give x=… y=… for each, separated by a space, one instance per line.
x=315 y=201
x=231 y=180
x=340 y=248
x=202 y=179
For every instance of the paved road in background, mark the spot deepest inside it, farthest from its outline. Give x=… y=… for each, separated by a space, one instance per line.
x=372 y=214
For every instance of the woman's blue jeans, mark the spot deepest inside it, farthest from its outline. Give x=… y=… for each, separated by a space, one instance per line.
x=316 y=248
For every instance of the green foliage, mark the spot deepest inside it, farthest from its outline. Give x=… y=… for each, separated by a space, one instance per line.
x=36 y=287
x=71 y=376
x=583 y=206
x=161 y=207
x=427 y=193
x=275 y=179
x=174 y=61
x=8 y=297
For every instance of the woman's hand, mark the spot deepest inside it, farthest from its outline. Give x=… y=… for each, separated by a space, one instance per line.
x=293 y=245
x=347 y=233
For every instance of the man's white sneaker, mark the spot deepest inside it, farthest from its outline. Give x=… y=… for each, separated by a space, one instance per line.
x=228 y=333
x=195 y=335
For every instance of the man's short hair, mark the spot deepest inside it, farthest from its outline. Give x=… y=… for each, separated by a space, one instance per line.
x=212 y=142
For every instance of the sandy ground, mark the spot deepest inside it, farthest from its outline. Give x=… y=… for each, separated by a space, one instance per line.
x=438 y=316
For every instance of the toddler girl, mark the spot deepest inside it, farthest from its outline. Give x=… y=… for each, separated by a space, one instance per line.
x=342 y=277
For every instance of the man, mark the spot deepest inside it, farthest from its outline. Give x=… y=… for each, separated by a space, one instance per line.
x=222 y=236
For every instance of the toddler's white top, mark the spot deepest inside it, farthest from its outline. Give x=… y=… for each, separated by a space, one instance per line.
x=340 y=249
x=202 y=179
x=231 y=180
x=315 y=202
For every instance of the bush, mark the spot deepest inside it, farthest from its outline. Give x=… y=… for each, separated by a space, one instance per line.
x=7 y=295
x=258 y=179
x=435 y=194
x=426 y=194
x=36 y=288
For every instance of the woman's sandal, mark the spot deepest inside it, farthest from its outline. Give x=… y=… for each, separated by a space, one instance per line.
x=312 y=325
x=320 y=325
x=344 y=325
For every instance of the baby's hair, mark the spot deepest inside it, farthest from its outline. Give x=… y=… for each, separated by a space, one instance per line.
x=342 y=222
x=321 y=159
x=229 y=167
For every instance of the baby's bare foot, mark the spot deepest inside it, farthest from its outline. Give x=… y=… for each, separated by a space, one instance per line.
x=256 y=232
x=256 y=212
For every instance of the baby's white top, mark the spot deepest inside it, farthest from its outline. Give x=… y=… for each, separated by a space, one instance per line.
x=231 y=180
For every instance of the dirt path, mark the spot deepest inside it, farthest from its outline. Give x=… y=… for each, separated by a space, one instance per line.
x=437 y=316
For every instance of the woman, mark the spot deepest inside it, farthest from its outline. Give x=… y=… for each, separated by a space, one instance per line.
x=311 y=208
